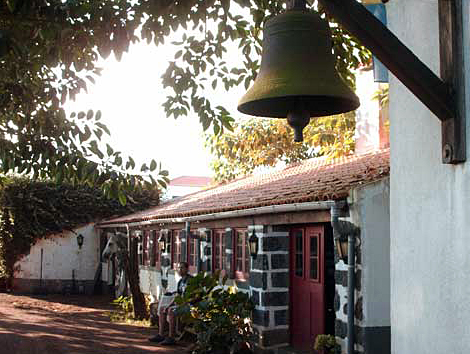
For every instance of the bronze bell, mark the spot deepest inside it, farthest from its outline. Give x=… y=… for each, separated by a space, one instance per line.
x=297 y=79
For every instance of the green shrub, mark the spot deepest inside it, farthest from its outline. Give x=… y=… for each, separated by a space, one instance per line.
x=124 y=311
x=220 y=315
x=327 y=343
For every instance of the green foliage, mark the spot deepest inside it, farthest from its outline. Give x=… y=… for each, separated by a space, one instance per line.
x=382 y=95
x=327 y=344
x=266 y=142
x=48 y=54
x=204 y=63
x=125 y=308
x=125 y=311
x=30 y=211
x=219 y=314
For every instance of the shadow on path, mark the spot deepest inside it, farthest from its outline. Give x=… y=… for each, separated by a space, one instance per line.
x=69 y=325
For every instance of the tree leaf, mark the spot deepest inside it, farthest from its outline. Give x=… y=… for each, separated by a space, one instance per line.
x=153 y=165
x=122 y=198
x=109 y=150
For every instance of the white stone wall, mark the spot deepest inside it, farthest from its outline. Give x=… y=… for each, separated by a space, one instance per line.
x=429 y=207
x=62 y=257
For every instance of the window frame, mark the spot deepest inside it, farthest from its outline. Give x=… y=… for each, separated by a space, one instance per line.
x=191 y=240
x=244 y=273
x=219 y=245
x=316 y=257
x=295 y=252
x=176 y=250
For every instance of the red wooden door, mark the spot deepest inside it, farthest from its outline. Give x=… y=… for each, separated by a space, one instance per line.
x=307 y=286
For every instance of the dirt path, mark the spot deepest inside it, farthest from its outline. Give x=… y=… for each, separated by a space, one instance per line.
x=69 y=325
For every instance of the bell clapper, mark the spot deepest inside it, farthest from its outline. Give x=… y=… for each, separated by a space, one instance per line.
x=298 y=120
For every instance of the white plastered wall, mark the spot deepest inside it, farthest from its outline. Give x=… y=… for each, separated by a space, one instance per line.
x=430 y=206
x=61 y=257
x=150 y=281
x=370 y=210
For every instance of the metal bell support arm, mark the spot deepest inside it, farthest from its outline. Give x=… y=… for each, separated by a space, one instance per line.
x=444 y=97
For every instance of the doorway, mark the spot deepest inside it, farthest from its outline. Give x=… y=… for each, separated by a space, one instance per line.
x=311 y=284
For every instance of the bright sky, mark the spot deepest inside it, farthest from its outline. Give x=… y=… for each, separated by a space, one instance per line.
x=130 y=96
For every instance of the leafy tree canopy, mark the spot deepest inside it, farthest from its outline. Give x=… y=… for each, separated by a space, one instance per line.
x=48 y=54
x=266 y=142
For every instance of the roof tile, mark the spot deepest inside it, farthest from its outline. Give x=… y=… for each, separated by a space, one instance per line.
x=311 y=180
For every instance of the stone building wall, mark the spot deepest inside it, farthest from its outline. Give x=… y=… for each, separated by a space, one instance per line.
x=370 y=210
x=269 y=286
x=341 y=302
x=58 y=265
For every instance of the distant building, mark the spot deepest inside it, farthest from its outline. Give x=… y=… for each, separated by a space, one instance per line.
x=183 y=185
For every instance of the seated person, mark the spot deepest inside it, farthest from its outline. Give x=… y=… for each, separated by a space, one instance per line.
x=168 y=312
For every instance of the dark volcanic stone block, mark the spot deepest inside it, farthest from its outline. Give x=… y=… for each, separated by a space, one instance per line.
x=275 y=298
x=255 y=297
x=261 y=318
x=261 y=262
x=280 y=317
x=280 y=280
x=274 y=337
x=259 y=280
x=341 y=277
x=275 y=244
x=341 y=329
x=280 y=261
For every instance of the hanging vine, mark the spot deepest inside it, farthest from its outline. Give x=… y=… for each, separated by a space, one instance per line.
x=30 y=211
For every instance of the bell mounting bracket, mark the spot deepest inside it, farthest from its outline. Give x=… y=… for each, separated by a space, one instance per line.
x=444 y=96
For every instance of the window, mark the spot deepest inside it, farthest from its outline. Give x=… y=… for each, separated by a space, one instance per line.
x=314 y=258
x=176 y=245
x=176 y=248
x=299 y=253
x=154 y=252
x=242 y=256
x=219 y=250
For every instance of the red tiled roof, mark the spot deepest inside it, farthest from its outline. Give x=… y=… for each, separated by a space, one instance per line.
x=311 y=180
x=191 y=181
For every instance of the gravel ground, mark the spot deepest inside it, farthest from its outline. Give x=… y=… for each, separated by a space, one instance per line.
x=56 y=324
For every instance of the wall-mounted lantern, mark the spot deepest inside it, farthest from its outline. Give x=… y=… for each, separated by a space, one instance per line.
x=80 y=240
x=162 y=243
x=341 y=242
x=253 y=244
